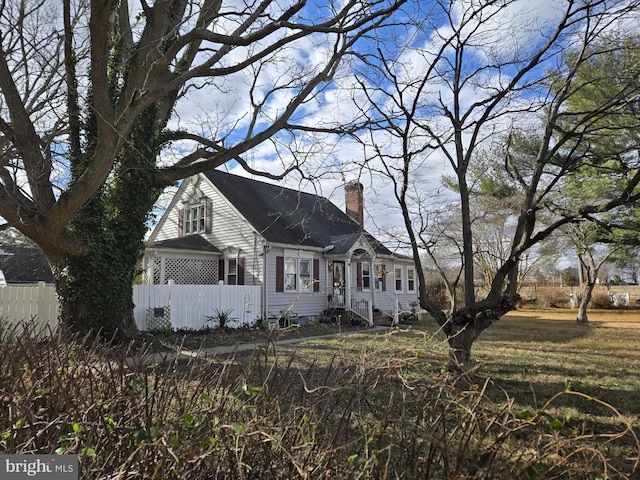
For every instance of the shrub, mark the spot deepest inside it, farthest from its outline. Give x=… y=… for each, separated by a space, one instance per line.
x=547 y=297
x=437 y=293
x=272 y=417
x=601 y=300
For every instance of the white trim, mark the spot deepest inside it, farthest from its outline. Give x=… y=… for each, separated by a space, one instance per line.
x=177 y=197
x=395 y=281
x=413 y=269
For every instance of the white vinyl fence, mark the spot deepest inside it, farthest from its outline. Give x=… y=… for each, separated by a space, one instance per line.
x=188 y=306
x=29 y=302
x=179 y=306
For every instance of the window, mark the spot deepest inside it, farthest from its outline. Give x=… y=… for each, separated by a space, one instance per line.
x=366 y=276
x=297 y=274
x=411 y=283
x=290 y=273
x=397 y=273
x=378 y=278
x=306 y=281
x=195 y=218
x=232 y=272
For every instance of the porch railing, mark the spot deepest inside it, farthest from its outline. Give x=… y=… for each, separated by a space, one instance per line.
x=338 y=298
x=398 y=308
x=359 y=304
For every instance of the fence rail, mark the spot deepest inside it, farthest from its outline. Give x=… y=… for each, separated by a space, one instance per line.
x=185 y=306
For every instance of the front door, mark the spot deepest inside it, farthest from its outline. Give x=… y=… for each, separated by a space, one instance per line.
x=339 y=284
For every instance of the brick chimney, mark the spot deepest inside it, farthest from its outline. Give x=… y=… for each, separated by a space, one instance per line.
x=354 y=202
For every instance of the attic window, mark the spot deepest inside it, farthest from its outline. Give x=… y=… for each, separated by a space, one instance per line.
x=195 y=218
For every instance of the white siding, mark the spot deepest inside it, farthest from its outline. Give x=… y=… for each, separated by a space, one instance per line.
x=307 y=302
x=386 y=300
x=228 y=229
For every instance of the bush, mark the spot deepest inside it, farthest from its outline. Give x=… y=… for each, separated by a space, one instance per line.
x=547 y=297
x=437 y=293
x=272 y=417
x=601 y=300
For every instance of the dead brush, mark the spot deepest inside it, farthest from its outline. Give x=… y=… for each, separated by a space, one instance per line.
x=268 y=415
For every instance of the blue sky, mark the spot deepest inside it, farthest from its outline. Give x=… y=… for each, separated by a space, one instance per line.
x=330 y=159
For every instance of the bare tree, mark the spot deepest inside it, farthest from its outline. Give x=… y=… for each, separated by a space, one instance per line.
x=93 y=117
x=475 y=71
x=591 y=256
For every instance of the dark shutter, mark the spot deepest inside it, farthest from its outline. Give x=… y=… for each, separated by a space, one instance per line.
x=181 y=222
x=316 y=275
x=241 y=271
x=359 y=276
x=279 y=274
x=207 y=216
x=384 y=278
x=221 y=270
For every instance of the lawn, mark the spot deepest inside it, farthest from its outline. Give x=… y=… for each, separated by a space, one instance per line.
x=548 y=399
x=590 y=375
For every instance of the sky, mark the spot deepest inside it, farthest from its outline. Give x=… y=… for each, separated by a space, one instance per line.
x=222 y=109
x=332 y=160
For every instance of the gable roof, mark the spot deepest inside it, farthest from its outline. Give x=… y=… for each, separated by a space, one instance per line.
x=287 y=216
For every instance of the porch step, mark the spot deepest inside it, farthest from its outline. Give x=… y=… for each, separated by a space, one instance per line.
x=381 y=319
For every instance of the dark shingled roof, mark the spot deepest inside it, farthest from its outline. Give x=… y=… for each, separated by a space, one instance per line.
x=190 y=242
x=284 y=215
x=25 y=265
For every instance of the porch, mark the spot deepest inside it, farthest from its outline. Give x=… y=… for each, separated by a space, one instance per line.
x=359 y=288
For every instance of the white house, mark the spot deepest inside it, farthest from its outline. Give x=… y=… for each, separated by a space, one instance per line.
x=306 y=254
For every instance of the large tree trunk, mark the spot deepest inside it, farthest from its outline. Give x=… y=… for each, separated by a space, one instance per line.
x=95 y=295
x=95 y=288
x=460 y=344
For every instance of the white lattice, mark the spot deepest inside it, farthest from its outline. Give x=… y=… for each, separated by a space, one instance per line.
x=151 y=264
x=192 y=271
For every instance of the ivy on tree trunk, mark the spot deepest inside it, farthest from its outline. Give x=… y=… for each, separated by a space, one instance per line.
x=95 y=288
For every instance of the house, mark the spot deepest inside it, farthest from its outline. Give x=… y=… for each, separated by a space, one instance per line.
x=306 y=254
x=24 y=264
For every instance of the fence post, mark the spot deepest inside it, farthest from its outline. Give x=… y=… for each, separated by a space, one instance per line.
x=171 y=314
x=395 y=312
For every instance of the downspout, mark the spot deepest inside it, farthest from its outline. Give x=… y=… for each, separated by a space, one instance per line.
x=265 y=297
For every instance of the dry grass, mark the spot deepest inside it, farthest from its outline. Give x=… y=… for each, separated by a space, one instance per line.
x=550 y=400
